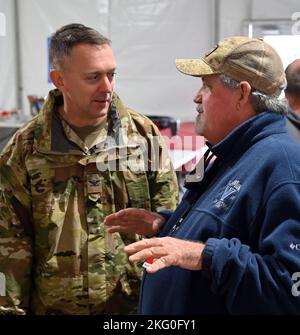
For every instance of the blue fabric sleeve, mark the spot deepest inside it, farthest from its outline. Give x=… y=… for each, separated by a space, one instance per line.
x=166 y=214
x=260 y=281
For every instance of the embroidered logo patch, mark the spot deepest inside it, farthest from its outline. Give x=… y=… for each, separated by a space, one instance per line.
x=94 y=183
x=228 y=195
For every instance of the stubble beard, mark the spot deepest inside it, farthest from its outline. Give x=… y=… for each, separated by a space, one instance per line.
x=199 y=125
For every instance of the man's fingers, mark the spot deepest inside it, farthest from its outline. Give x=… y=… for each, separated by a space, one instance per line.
x=144 y=244
x=121 y=229
x=134 y=215
x=122 y=222
x=160 y=263
x=142 y=255
x=113 y=217
x=157 y=223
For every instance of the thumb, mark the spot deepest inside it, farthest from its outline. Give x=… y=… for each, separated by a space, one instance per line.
x=157 y=223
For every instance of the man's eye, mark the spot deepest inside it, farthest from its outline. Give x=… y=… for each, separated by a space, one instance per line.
x=206 y=86
x=93 y=77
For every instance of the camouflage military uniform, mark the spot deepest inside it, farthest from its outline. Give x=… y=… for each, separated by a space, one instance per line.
x=55 y=253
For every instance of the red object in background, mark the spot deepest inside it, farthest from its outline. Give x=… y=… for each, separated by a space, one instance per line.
x=178 y=135
x=148 y=262
x=5 y=115
x=185 y=147
x=186 y=138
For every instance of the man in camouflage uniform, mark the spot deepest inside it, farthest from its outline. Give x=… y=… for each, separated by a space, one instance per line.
x=84 y=156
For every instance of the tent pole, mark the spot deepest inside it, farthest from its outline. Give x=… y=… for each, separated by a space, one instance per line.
x=216 y=20
x=19 y=82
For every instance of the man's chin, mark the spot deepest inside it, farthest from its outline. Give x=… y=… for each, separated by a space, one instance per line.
x=199 y=125
x=99 y=112
x=199 y=131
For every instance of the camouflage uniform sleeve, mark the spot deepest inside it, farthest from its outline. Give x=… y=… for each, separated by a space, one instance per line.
x=15 y=233
x=163 y=182
x=161 y=176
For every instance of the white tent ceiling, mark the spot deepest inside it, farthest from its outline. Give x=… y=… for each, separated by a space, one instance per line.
x=147 y=36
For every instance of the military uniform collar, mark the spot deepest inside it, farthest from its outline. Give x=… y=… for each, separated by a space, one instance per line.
x=120 y=128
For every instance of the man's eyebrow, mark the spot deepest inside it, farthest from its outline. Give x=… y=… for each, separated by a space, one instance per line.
x=99 y=72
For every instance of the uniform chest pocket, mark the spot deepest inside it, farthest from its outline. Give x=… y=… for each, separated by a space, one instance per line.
x=41 y=181
x=118 y=177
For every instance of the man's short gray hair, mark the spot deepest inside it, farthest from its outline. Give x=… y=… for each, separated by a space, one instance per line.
x=259 y=101
x=70 y=35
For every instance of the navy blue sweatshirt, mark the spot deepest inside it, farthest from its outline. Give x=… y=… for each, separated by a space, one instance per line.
x=249 y=219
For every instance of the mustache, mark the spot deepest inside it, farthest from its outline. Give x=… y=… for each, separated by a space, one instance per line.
x=199 y=108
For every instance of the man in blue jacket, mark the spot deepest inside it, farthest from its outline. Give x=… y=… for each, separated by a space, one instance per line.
x=233 y=244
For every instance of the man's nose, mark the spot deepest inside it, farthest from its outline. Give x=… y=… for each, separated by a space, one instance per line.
x=198 y=98
x=107 y=85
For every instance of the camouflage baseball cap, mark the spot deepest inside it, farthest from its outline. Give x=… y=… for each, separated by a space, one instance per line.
x=241 y=58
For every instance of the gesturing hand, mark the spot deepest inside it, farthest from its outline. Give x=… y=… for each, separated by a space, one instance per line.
x=167 y=251
x=134 y=220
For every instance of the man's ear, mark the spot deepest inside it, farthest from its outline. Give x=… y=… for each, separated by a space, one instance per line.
x=56 y=78
x=245 y=91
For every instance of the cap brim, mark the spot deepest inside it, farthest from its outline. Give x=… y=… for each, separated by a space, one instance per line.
x=194 y=67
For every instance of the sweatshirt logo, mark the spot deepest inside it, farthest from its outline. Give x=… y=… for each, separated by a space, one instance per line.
x=295 y=246
x=229 y=194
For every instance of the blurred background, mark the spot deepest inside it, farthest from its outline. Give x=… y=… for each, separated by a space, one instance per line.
x=147 y=36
